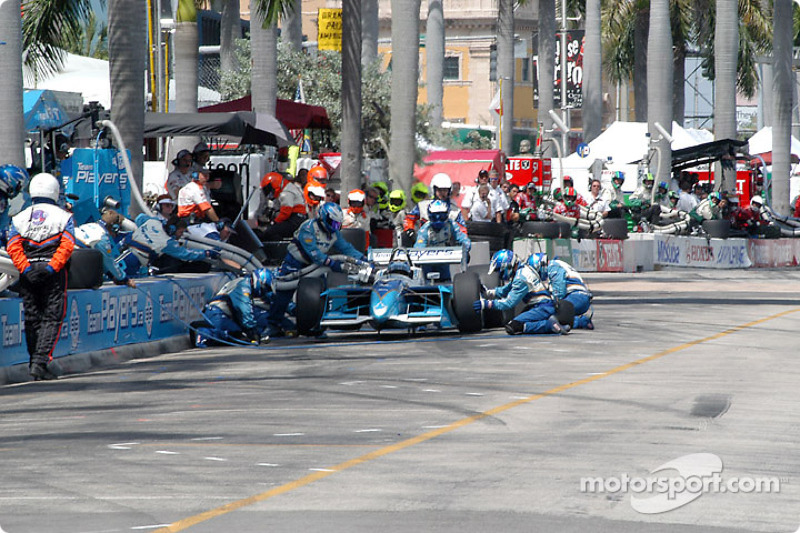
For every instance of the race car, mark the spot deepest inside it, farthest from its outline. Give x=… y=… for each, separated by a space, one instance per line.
x=395 y=293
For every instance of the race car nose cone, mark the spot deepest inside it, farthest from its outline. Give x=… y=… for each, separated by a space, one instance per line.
x=379 y=308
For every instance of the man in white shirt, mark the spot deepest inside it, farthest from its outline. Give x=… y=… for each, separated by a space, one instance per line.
x=497 y=196
x=471 y=196
x=182 y=174
x=482 y=208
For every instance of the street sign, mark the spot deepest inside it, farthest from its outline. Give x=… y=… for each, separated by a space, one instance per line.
x=583 y=150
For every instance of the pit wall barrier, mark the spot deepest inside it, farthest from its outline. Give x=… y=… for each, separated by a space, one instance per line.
x=113 y=318
x=646 y=252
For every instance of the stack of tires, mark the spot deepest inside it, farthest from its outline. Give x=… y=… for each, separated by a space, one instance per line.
x=497 y=235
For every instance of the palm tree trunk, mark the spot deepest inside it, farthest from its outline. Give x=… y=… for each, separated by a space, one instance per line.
x=546 y=64
x=127 y=33
x=659 y=84
x=12 y=127
x=186 y=66
x=264 y=83
x=592 y=74
x=350 y=169
x=369 y=31
x=405 y=73
x=782 y=112
x=434 y=54
x=679 y=85
x=505 y=71
x=292 y=27
x=726 y=48
x=640 y=68
x=230 y=30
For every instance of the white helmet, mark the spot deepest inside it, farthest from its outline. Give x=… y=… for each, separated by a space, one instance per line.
x=441 y=181
x=44 y=185
x=756 y=200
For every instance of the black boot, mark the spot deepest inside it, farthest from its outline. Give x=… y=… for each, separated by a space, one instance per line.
x=39 y=372
x=515 y=328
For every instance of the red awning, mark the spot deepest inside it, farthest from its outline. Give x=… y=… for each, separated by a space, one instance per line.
x=461 y=165
x=293 y=115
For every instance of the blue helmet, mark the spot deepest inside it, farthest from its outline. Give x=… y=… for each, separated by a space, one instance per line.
x=399 y=267
x=12 y=178
x=330 y=217
x=261 y=282
x=538 y=262
x=438 y=211
x=505 y=263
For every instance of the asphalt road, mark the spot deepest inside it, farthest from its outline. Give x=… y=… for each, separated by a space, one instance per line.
x=696 y=370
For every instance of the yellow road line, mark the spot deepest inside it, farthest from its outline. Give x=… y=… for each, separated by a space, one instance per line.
x=186 y=523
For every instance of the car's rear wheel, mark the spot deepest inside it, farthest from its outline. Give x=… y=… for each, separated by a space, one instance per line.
x=310 y=305
x=466 y=289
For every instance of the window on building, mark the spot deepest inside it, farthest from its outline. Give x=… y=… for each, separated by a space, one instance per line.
x=526 y=69
x=452 y=68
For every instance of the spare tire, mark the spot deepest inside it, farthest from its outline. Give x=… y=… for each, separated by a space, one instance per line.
x=538 y=229
x=487 y=229
x=615 y=228
x=85 y=269
x=717 y=229
x=357 y=237
x=247 y=240
x=310 y=305
x=466 y=289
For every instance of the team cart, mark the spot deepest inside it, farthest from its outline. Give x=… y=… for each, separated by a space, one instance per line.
x=399 y=290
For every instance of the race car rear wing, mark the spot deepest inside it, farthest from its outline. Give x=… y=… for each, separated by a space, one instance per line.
x=445 y=255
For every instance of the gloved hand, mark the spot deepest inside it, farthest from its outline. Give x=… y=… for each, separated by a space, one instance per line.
x=333 y=264
x=410 y=234
x=480 y=305
x=212 y=254
x=38 y=272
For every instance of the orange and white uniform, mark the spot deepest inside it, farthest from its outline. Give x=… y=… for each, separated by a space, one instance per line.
x=193 y=199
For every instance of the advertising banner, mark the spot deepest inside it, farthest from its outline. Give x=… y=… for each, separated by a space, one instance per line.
x=573 y=71
x=700 y=252
x=329 y=29
x=114 y=315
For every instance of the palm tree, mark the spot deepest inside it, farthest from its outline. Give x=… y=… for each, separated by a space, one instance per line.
x=186 y=57
x=726 y=39
x=92 y=41
x=405 y=76
x=292 y=26
x=12 y=125
x=350 y=168
x=264 y=43
x=782 y=111
x=592 y=74
x=434 y=60
x=659 y=85
x=230 y=30
x=505 y=70
x=369 y=31
x=546 y=65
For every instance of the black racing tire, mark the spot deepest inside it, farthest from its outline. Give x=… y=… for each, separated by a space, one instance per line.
x=247 y=240
x=717 y=229
x=193 y=331
x=544 y=230
x=356 y=237
x=310 y=305
x=565 y=313
x=407 y=240
x=492 y=318
x=485 y=229
x=275 y=251
x=85 y=269
x=466 y=289
x=615 y=228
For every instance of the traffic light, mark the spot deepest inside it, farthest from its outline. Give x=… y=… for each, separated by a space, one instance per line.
x=493 y=62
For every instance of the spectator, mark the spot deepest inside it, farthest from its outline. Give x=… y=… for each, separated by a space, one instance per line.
x=472 y=195
x=182 y=175
x=499 y=198
x=482 y=209
x=331 y=195
x=596 y=201
x=686 y=202
x=513 y=213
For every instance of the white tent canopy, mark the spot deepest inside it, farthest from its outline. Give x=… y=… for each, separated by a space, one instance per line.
x=761 y=142
x=620 y=146
x=90 y=77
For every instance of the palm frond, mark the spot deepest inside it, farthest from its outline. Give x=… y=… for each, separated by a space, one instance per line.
x=272 y=11
x=47 y=27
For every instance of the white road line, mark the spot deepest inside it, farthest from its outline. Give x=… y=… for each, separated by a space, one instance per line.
x=349 y=383
x=165 y=452
x=154 y=526
x=321 y=470
x=120 y=446
x=207 y=438
x=267 y=464
x=288 y=434
x=431 y=390
x=367 y=430
x=388 y=386
x=214 y=458
x=433 y=427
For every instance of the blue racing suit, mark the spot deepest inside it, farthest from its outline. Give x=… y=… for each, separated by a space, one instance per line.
x=566 y=284
x=449 y=235
x=420 y=214
x=310 y=245
x=232 y=312
x=527 y=287
x=148 y=241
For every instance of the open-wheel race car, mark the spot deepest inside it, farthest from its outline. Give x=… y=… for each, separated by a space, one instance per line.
x=400 y=290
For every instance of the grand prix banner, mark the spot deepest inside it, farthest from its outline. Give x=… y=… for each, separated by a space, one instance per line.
x=114 y=315
x=700 y=252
